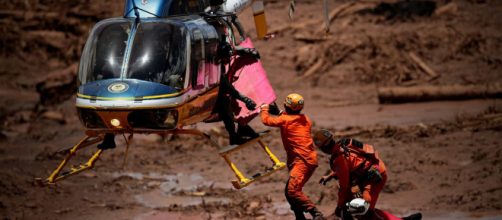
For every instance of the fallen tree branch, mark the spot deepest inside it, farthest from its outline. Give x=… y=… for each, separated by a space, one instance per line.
x=434 y=93
x=346 y=8
x=311 y=38
x=314 y=68
x=415 y=58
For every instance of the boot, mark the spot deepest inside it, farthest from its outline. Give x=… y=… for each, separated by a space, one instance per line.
x=299 y=215
x=416 y=216
x=108 y=142
x=236 y=140
x=246 y=131
x=316 y=214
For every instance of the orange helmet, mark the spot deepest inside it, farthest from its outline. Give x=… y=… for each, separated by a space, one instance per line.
x=323 y=139
x=294 y=102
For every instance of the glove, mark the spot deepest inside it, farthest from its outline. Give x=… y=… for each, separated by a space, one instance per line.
x=253 y=52
x=325 y=179
x=250 y=104
x=273 y=109
x=374 y=176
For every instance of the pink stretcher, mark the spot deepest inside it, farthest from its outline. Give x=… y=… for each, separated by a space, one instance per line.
x=250 y=79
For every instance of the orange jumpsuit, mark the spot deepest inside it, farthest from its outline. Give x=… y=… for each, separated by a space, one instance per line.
x=301 y=156
x=346 y=168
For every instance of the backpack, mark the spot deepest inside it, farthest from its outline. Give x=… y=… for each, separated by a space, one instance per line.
x=365 y=172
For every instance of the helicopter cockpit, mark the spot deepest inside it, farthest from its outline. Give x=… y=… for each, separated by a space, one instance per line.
x=153 y=51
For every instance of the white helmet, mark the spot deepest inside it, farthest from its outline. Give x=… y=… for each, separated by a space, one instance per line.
x=358 y=207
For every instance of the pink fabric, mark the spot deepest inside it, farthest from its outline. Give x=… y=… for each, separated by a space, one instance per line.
x=250 y=79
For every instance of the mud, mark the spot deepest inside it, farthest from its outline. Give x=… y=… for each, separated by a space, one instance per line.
x=443 y=158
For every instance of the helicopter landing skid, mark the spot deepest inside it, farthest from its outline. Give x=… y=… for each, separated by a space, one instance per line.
x=243 y=181
x=85 y=142
x=92 y=138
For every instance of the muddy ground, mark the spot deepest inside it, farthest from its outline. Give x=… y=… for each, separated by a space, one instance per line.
x=443 y=158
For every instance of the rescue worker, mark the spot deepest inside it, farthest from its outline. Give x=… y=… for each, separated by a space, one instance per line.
x=227 y=94
x=301 y=155
x=361 y=176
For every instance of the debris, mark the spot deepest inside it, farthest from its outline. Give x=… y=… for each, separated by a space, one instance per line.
x=314 y=68
x=253 y=206
x=404 y=9
x=422 y=125
x=90 y=175
x=349 y=8
x=432 y=74
x=450 y=8
x=55 y=116
x=433 y=93
x=198 y=193
x=63 y=211
x=311 y=38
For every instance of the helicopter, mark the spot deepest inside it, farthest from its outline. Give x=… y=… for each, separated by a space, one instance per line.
x=156 y=71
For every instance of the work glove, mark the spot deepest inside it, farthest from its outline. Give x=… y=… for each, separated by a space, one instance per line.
x=250 y=104
x=252 y=52
x=274 y=109
x=325 y=179
x=374 y=176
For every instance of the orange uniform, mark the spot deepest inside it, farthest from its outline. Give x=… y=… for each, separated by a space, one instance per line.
x=351 y=169
x=301 y=156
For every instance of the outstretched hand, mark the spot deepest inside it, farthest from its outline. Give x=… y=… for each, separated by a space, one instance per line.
x=325 y=179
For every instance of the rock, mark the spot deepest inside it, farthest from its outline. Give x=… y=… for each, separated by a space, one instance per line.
x=89 y=174
x=55 y=116
x=153 y=184
x=253 y=205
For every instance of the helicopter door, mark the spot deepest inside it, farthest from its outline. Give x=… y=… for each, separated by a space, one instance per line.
x=198 y=66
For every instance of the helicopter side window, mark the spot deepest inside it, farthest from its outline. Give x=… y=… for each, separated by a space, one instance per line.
x=212 y=67
x=197 y=61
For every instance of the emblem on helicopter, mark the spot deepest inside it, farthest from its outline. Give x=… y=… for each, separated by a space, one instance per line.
x=118 y=87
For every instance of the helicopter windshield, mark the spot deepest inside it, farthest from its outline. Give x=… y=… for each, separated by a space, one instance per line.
x=156 y=52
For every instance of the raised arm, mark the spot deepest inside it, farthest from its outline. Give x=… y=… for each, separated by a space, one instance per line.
x=270 y=120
